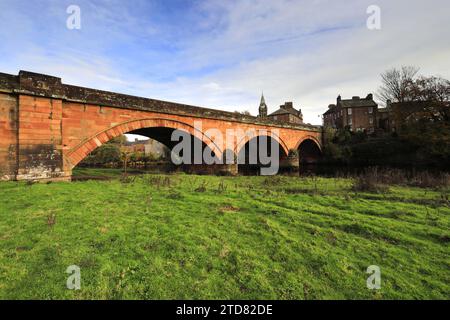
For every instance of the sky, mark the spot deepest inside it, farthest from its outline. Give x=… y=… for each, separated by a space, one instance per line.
x=223 y=54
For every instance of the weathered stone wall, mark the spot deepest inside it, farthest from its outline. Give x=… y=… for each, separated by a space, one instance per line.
x=8 y=136
x=40 y=138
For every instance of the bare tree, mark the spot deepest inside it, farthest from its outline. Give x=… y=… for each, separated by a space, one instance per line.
x=245 y=112
x=397 y=83
x=432 y=88
x=434 y=93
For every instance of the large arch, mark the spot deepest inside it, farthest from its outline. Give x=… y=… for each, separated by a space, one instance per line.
x=316 y=141
x=84 y=148
x=247 y=138
x=243 y=156
x=309 y=150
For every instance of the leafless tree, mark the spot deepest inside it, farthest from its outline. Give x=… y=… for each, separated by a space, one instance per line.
x=432 y=88
x=397 y=83
x=245 y=112
x=434 y=93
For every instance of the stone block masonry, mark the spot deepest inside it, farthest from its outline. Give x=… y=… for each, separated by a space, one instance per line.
x=47 y=127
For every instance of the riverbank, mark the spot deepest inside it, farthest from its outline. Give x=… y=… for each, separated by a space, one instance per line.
x=202 y=237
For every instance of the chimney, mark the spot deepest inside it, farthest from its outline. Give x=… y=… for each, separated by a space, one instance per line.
x=355 y=98
x=388 y=103
x=286 y=105
x=338 y=99
x=369 y=96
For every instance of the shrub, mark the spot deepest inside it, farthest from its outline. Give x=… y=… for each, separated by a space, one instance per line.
x=369 y=181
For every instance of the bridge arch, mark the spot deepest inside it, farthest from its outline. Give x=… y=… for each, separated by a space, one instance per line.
x=270 y=134
x=76 y=154
x=309 y=149
x=314 y=139
x=250 y=163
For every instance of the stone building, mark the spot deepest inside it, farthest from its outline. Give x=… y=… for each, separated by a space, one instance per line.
x=357 y=114
x=286 y=113
x=156 y=149
x=148 y=147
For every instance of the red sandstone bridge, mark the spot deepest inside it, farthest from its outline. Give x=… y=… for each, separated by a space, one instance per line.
x=47 y=127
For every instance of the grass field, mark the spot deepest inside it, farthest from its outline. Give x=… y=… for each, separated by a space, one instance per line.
x=201 y=237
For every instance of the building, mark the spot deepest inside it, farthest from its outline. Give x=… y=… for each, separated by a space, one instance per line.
x=357 y=114
x=137 y=146
x=262 y=108
x=156 y=149
x=399 y=114
x=286 y=113
x=148 y=147
x=384 y=123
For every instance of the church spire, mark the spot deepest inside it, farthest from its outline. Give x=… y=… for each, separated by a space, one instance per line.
x=262 y=107
x=263 y=101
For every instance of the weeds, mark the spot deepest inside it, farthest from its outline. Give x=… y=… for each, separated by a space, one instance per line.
x=222 y=187
x=158 y=181
x=51 y=219
x=201 y=188
x=369 y=181
x=127 y=179
x=373 y=179
x=174 y=195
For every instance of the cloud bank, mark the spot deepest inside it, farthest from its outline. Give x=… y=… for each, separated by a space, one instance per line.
x=223 y=54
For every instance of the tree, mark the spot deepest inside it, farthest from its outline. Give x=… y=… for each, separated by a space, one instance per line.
x=434 y=94
x=430 y=102
x=120 y=140
x=432 y=88
x=125 y=156
x=244 y=113
x=397 y=84
x=107 y=153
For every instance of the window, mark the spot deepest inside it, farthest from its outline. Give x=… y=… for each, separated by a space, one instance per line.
x=370 y=110
x=371 y=120
x=349 y=121
x=349 y=111
x=275 y=118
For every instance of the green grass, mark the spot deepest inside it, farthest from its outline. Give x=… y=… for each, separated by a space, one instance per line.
x=241 y=238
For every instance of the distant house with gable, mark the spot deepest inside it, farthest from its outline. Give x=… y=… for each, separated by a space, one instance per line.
x=357 y=114
x=286 y=113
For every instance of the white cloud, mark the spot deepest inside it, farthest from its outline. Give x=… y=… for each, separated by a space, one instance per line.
x=307 y=52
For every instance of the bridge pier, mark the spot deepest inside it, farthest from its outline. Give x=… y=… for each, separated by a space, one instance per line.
x=290 y=165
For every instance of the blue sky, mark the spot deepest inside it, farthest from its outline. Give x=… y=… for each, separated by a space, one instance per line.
x=222 y=54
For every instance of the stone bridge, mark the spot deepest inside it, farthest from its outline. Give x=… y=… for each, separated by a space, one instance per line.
x=47 y=127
